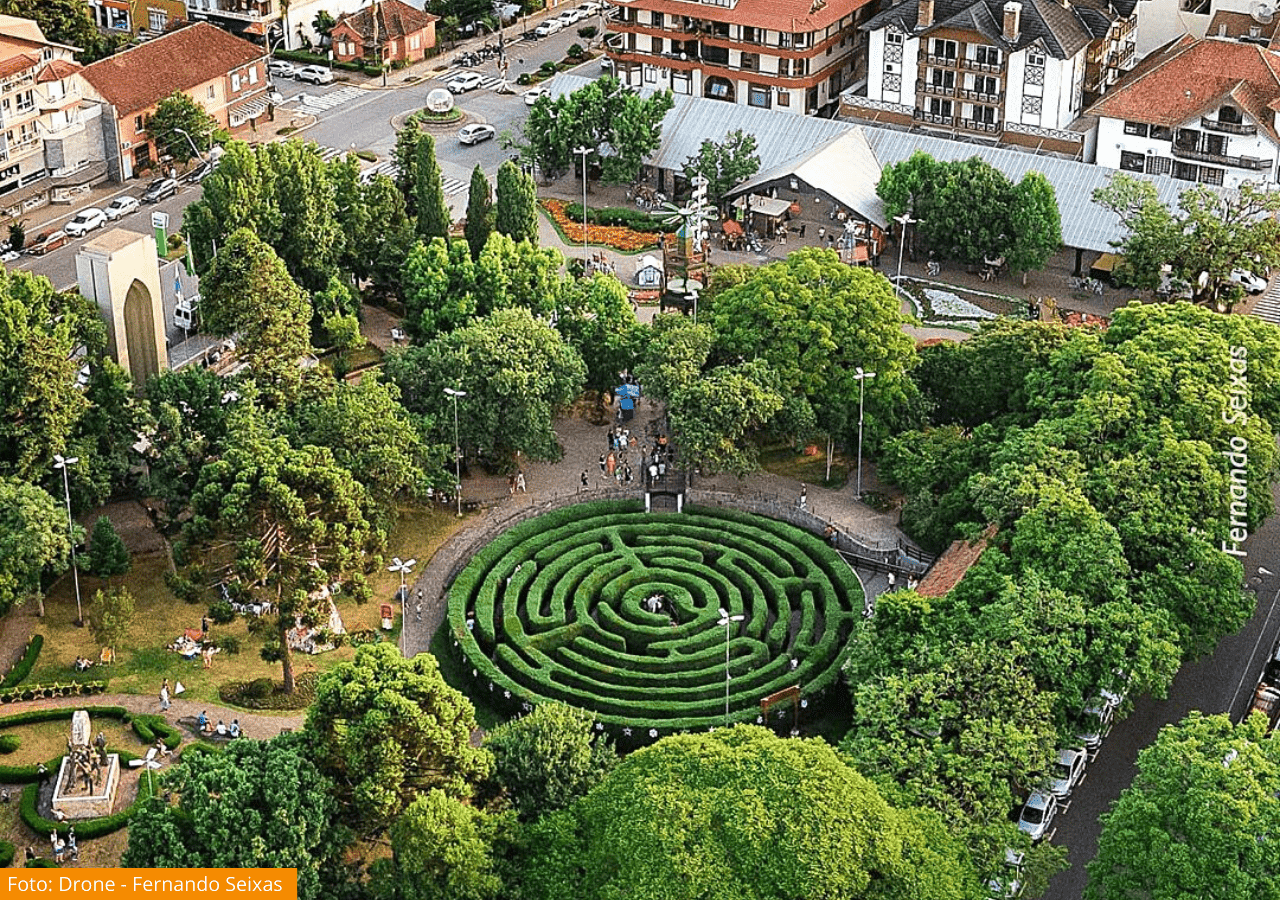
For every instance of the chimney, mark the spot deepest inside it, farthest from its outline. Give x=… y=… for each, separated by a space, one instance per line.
x=1012 y=21
x=924 y=14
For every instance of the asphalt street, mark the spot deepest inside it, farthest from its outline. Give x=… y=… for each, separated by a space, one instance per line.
x=360 y=119
x=1221 y=682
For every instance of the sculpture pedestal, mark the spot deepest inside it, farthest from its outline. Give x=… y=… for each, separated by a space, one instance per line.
x=73 y=802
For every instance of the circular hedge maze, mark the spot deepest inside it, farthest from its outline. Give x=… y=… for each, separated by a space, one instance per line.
x=605 y=607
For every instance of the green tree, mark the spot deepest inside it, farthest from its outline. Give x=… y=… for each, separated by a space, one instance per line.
x=439 y=281
x=310 y=239
x=548 y=759
x=442 y=850
x=352 y=214
x=740 y=813
x=239 y=193
x=181 y=127
x=257 y=804
x=479 y=212
x=815 y=321
x=190 y=408
x=248 y=292
x=517 y=373
x=107 y=553
x=1198 y=819
x=387 y=728
x=909 y=186
x=1035 y=224
x=595 y=315
x=298 y=520
x=323 y=24
x=67 y=22
x=428 y=192
x=33 y=539
x=969 y=216
x=674 y=356
x=406 y=157
x=716 y=414
x=725 y=164
x=516 y=212
x=110 y=616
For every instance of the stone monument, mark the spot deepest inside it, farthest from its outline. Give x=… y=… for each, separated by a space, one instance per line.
x=88 y=778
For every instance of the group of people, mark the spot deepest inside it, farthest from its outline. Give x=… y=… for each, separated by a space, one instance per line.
x=615 y=463
x=83 y=664
x=516 y=482
x=64 y=850
x=221 y=729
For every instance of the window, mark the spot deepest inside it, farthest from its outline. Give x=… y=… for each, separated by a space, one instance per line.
x=984 y=114
x=750 y=62
x=650 y=74
x=942 y=78
x=415 y=42
x=939 y=108
x=681 y=82
x=1229 y=114
x=209 y=92
x=1161 y=133
x=985 y=84
x=944 y=49
x=1035 y=58
x=894 y=37
x=759 y=95
x=137 y=124
x=1159 y=165
x=1132 y=162
x=784 y=66
x=657 y=19
x=784 y=97
x=1210 y=175
x=235 y=82
x=718 y=88
x=253 y=74
x=989 y=56
x=25 y=102
x=157 y=19
x=749 y=34
x=1186 y=171
x=1138 y=128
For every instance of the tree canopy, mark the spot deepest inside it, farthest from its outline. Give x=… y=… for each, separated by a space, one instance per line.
x=181 y=127
x=33 y=539
x=725 y=164
x=515 y=209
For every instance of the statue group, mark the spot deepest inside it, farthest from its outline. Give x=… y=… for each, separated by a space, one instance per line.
x=86 y=762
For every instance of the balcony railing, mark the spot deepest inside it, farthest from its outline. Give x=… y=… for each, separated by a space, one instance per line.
x=982 y=96
x=934 y=119
x=1239 y=162
x=940 y=60
x=1228 y=127
x=984 y=127
x=939 y=90
x=974 y=66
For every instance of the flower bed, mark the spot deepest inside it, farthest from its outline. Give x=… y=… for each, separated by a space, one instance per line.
x=616 y=236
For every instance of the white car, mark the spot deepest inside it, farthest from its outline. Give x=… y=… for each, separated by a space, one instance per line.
x=590 y=8
x=476 y=132
x=1007 y=883
x=282 y=68
x=570 y=17
x=532 y=95
x=1067 y=771
x=1038 y=814
x=85 y=221
x=315 y=75
x=549 y=27
x=121 y=207
x=1095 y=723
x=467 y=81
x=1254 y=284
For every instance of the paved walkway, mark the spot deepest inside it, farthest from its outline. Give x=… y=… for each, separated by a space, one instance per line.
x=258 y=725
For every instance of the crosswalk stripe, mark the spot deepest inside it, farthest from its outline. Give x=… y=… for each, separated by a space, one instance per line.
x=1268 y=306
x=453 y=186
x=323 y=102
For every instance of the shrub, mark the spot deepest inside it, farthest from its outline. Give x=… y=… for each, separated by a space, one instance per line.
x=548 y=68
x=222 y=613
x=22 y=668
x=524 y=78
x=260 y=689
x=575 y=51
x=184 y=589
x=44 y=691
x=228 y=644
x=9 y=743
x=40 y=862
x=588 y=32
x=238 y=693
x=150 y=728
x=108 y=555
x=86 y=829
x=7 y=852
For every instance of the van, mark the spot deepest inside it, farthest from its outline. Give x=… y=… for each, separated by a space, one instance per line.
x=186 y=315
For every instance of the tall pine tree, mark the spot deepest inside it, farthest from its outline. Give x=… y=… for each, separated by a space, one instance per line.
x=479 y=213
x=515 y=213
x=433 y=212
x=406 y=156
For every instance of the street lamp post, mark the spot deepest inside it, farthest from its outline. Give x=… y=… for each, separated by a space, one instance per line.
x=64 y=463
x=404 y=568
x=457 y=449
x=190 y=140
x=584 y=152
x=727 y=621
x=861 y=377
x=904 y=220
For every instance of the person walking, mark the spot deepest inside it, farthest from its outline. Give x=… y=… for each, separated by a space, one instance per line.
x=584 y=480
x=164 y=696
x=417 y=610
x=602 y=464
x=804 y=496
x=520 y=483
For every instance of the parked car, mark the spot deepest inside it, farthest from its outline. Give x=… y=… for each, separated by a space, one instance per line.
x=570 y=17
x=1007 y=883
x=315 y=74
x=1095 y=723
x=46 y=241
x=85 y=221
x=121 y=207
x=476 y=132
x=1038 y=814
x=590 y=8
x=199 y=173
x=531 y=96
x=467 y=81
x=1254 y=284
x=159 y=189
x=1067 y=771
x=548 y=28
x=282 y=69
x=10 y=256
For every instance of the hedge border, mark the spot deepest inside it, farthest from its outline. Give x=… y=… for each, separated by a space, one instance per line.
x=22 y=668
x=86 y=829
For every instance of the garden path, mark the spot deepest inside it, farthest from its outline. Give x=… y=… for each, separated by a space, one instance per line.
x=258 y=725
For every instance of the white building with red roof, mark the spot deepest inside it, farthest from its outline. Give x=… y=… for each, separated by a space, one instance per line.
x=792 y=55
x=1199 y=110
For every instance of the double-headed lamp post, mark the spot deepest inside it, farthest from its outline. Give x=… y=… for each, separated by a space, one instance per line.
x=728 y=622
x=64 y=463
x=861 y=377
x=457 y=448
x=904 y=220
x=584 y=152
x=404 y=568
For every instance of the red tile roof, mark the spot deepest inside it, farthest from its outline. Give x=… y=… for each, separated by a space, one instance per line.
x=57 y=70
x=141 y=77
x=952 y=565
x=1190 y=77
x=791 y=16
x=15 y=64
x=396 y=20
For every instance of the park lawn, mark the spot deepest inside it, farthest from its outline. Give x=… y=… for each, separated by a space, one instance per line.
x=159 y=618
x=783 y=460
x=42 y=741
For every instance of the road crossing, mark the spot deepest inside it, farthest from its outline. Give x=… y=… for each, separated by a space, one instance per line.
x=388 y=167
x=487 y=82
x=313 y=103
x=1268 y=306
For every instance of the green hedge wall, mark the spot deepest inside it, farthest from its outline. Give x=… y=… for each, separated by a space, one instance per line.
x=22 y=668
x=553 y=610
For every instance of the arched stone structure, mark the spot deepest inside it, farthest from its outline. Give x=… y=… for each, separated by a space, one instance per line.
x=119 y=271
